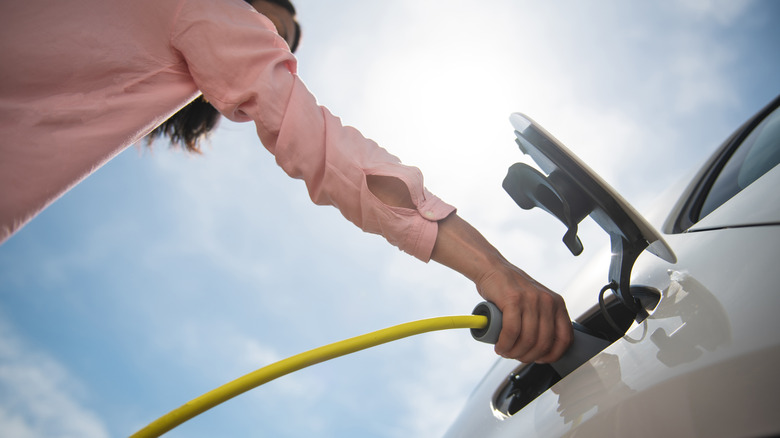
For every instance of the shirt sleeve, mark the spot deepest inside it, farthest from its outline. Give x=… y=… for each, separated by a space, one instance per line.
x=247 y=72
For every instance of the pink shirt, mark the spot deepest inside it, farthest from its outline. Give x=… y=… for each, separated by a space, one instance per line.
x=80 y=80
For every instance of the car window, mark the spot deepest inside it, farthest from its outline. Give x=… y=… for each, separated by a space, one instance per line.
x=758 y=154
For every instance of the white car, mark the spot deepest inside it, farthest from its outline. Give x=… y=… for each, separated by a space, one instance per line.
x=683 y=341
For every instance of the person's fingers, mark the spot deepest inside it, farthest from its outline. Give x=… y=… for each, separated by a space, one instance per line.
x=529 y=329
x=563 y=338
x=511 y=327
x=545 y=330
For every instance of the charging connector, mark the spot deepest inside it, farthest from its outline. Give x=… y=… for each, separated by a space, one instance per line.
x=584 y=346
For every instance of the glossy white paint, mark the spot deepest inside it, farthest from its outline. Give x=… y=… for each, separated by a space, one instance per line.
x=703 y=364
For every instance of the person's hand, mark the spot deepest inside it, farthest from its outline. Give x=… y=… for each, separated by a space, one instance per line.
x=535 y=324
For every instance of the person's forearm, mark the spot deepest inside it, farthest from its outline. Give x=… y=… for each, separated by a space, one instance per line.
x=461 y=247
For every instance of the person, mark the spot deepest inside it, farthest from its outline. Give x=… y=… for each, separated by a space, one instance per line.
x=82 y=80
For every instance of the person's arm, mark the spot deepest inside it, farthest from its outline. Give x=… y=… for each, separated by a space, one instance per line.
x=247 y=72
x=536 y=326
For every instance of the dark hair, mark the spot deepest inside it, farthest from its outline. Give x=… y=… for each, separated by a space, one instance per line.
x=193 y=122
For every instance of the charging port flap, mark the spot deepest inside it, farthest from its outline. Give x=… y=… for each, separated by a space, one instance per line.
x=570 y=191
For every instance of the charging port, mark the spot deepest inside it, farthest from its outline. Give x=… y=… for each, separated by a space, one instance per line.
x=529 y=381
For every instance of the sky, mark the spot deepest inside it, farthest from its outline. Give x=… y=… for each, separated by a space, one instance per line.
x=164 y=275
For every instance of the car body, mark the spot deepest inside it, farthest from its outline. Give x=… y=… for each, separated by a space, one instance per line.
x=704 y=358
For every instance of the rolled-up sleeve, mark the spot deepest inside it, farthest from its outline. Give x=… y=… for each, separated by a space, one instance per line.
x=247 y=72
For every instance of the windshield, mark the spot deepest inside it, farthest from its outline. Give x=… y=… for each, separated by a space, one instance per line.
x=758 y=154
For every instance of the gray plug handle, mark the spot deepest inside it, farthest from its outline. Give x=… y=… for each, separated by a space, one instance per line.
x=489 y=334
x=583 y=347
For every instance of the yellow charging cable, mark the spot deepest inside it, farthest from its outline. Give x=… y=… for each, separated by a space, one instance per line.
x=294 y=363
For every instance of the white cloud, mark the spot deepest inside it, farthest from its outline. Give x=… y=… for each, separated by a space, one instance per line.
x=38 y=397
x=723 y=11
x=447 y=367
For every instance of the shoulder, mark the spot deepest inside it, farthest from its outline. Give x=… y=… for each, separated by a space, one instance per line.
x=227 y=13
x=217 y=28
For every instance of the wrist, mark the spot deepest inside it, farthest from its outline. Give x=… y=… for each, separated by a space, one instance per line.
x=462 y=248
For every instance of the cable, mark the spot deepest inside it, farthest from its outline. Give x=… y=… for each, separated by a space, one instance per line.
x=266 y=374
x=604 y=310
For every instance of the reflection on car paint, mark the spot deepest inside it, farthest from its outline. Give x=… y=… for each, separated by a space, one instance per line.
x=700 y=313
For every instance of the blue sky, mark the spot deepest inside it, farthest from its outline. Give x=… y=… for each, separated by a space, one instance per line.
x=164 y=275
